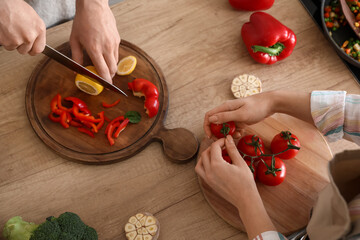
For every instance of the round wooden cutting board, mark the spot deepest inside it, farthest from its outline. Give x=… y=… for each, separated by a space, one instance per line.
x=288 y=204
x=50 y=78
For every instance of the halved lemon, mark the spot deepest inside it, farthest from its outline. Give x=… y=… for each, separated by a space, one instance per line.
x=87 y=85
x=126 y=65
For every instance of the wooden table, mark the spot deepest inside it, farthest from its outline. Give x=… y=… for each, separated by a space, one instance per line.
x=198 y=46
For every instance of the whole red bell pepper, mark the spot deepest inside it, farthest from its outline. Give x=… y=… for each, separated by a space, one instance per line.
x=251 y=5
x=266 y=39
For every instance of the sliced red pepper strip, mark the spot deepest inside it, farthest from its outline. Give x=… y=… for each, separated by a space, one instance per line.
x=121 y=127
x=109 y=105
x=54 y=105
x=83 y=117
x=80 y=104
x=94 y=127
x=101 y=123
x=60 y=106
x=54 y=118
x=64 y=119
x=110 y=132
x=87 y=131
x=107 y=119
x=117 y=119
x=75 y=124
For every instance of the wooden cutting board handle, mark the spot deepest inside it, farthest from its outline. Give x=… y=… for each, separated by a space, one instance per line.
x=179 y=144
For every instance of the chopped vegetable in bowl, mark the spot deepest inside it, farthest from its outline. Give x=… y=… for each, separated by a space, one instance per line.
x=333 y=16
x=352 y=48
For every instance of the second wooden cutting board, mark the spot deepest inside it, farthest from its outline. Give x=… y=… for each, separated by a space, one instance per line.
x=288 y=204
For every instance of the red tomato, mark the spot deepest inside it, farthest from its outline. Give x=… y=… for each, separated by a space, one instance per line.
x=222 y=130
x=285 y=140
x=224 y=152
x=227 y=158
x=250 y=145
x=271 y=175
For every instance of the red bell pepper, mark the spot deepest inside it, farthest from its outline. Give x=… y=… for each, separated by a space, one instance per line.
x=86 y=131
x=266 y=39
x=142 y=87
x=251 y=5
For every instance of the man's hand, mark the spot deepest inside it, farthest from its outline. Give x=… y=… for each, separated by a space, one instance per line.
x=94 y=30
x=21 y=28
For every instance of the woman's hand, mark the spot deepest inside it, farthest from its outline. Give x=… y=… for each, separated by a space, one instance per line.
x=253 y=109
x=234 y=182
x=21 y=28
x=243 y=111
x=94 y=30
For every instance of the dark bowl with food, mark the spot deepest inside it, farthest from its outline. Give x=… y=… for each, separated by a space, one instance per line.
x=339 y=34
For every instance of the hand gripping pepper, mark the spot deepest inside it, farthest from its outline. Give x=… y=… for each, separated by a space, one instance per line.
x=266 y=39
x=251 y=5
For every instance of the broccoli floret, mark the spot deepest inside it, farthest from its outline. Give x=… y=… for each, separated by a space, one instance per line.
x=17 y=229
x=90 y=234
x=49 y=230
x=68 y=226
x=71 y=223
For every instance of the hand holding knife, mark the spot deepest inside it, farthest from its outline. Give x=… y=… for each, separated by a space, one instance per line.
x=74 y=66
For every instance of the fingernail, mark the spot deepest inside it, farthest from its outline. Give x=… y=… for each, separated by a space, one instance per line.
x=213 y=119
x=229 y=139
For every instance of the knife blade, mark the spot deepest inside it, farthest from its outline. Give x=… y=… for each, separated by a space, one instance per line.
x=71 y=64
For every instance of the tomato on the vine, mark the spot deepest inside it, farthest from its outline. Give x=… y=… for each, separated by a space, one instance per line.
x=227 y=158
x=222 y=130
x=285 y=140
x=271 y=174
x=250 y=146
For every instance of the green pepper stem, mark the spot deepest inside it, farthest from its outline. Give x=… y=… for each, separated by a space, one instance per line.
x=273 y=50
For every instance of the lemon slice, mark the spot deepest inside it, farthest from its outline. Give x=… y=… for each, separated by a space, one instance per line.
x=126 y=65
x=87 y=85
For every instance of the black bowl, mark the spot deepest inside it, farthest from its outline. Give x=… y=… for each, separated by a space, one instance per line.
x=338 y=37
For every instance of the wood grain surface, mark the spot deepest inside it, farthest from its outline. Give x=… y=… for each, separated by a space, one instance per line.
x=198 y=46
x=288 y=204
x=50 y=78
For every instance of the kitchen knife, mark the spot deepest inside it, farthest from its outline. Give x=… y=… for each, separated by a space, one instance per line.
x=71 y=64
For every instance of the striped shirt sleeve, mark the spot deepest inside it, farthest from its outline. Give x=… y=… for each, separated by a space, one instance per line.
x=270 y=235
x=336 y=115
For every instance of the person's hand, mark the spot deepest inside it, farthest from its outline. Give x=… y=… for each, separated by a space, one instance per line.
x=234 y=182
x=243 y=111
x=94 y=30
x=21 y=28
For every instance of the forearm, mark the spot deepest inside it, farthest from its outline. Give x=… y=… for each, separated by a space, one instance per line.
x=254 y=216
x=296 y=104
